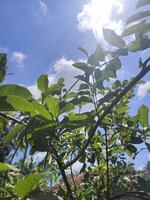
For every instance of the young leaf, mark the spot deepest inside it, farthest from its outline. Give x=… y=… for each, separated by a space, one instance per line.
x=11 y=89
x=112 y=38
x=138 y=16
x=27 y=185
x=42 y=83
x=142 y=3
x=99 y=55
x=141 y=27
x=143 y=116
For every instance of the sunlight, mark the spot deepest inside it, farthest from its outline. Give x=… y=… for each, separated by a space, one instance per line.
x=98 y=14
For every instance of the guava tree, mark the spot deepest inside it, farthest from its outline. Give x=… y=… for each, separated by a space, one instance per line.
x=91 y=125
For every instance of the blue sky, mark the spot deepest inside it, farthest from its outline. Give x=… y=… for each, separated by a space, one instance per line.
x=42 y=36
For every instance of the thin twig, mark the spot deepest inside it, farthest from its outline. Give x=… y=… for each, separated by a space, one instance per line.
x=23 y=134
x=107 y=165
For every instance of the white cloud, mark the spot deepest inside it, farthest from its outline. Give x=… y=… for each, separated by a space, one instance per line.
x=143 y=89
x=34 y=90
x=62 y=68
x=18 y=57
x=43 y=7
x=97 y=14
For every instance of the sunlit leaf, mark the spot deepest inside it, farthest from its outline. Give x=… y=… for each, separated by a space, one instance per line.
x=6 y=167
x=15 y=103
x=143 y=116
x=42 y=83
x=27 y=185
x=11 y=89
x=53 y=105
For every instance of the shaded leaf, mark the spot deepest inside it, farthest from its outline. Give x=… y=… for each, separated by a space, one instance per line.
x=11 y=135
x=141 y=27
x=142 y=3
x=99 y=55
x=84 y=67
x=112 y=38
x=138 y=16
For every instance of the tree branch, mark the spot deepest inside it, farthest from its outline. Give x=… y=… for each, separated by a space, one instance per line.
x=142 y=73
x=12 y=118
x=139 y=195
x=68 y=187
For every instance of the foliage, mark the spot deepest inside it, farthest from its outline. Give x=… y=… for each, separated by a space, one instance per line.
x=101 y=138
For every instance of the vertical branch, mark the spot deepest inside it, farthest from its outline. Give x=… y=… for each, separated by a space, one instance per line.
x=63 y=173
x=72 y=176
x=107 y=166
x=25 y=152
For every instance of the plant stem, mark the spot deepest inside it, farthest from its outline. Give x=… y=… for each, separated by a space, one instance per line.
x=107 y=167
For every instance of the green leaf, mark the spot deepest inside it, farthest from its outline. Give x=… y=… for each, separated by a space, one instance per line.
x=148 y=146
x=141 y=27
x=144 y=184
x=142 y=3
x=3 y=62
x=41 y=110
x=6 y=167
x=84 y=67
x=136 y=140
x=10 y=136
x=112 y=38
x=15 y=103
x=27 y=185
x=67 y=107
x=42 y=83
x=138 y=16
x=77 y=117
x=120 y=52
x=43 y=196
x=83 y=86
x=16 y=90
x=53 y=105
x=99 y=55
x=143 y=116
x=141 y=43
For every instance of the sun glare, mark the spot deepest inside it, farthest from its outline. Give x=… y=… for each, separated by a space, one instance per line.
x=98 y=14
